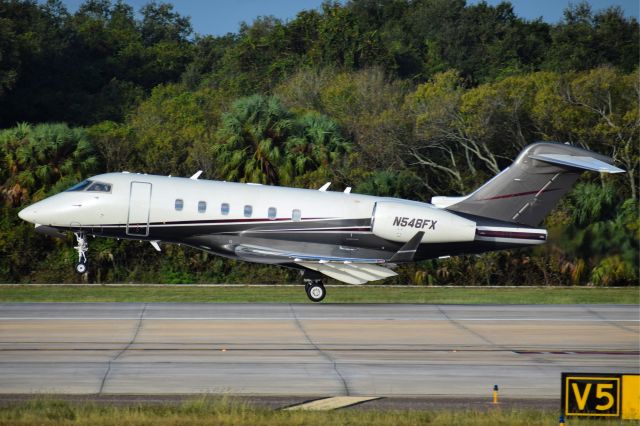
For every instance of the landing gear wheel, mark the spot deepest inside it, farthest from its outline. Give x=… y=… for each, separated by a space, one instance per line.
x=81 y=248
x=81 y=268
x=315 y=292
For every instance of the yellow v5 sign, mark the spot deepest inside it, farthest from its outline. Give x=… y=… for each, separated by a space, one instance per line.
x=600 y=395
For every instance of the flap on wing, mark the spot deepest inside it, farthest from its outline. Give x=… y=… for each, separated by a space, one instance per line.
x=351 y=270
x=580 y=162
x=250 y=251
x=351 y=273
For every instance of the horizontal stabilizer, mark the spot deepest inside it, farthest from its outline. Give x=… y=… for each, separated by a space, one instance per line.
x=579 y=162
x=443 y=202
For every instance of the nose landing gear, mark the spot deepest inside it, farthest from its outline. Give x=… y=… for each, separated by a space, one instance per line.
x=315 y=290
x=81 y=248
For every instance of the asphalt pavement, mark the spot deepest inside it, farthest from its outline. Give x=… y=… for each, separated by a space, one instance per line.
x=311 y=351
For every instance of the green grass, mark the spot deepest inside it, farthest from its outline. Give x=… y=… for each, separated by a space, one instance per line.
x=335 y=294
x=222 y=411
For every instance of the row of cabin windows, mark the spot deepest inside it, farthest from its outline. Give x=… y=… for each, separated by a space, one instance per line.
x=272 y=212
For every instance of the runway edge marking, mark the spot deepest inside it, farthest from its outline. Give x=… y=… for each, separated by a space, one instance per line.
x=332 y=403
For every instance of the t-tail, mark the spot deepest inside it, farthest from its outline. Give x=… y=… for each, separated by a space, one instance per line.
x=528 y=190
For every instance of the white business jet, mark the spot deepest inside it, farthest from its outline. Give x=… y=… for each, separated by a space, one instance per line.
x=350 y=237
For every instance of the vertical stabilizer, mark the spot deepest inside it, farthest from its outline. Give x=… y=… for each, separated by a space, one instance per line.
x=527 y=191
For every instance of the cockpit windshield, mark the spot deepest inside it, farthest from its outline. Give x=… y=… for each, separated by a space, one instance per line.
x=100 y=187
x=80 y=186
x=91 y=186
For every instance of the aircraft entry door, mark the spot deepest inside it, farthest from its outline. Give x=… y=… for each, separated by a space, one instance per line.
x=139 y=207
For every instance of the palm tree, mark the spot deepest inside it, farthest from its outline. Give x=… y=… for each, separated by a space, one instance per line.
x=261 y=141
x=317 y=143
x=43 y=159
x=251 y=140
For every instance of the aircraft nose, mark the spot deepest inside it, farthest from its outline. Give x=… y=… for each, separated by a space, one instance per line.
x=28 y=214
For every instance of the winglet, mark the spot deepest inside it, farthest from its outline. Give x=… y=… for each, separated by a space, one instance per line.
x=196 y=175
x=324 y=187
x=408 y=250
x=579 y=162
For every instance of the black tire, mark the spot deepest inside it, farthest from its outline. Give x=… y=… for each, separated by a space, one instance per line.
x=316 y=292
x=81 y=268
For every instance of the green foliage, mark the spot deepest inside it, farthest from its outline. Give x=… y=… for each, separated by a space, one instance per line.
x=234 y=411
x=369 y=293
x=38 y=160
x=93 y=65
x=260 y=141
x=391 y=183
x=585 y=40
x=366 y=104
x=168 y=125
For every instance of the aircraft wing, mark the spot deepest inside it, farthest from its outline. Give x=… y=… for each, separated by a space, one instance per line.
x=350 y=270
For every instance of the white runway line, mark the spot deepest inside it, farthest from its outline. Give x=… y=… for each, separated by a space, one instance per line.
x=312 y=319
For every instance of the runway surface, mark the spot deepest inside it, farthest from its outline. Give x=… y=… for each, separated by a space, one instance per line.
x=311 y=350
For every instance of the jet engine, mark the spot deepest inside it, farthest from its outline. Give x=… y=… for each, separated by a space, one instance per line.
x=398 y=221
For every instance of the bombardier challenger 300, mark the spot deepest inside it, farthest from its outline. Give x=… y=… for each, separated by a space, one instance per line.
x=350 y=237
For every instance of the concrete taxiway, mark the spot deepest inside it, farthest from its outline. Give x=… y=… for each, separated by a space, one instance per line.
x=314 y=350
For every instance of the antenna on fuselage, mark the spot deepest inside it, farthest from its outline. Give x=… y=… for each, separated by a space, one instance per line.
x=324 y=187
x=196 y=175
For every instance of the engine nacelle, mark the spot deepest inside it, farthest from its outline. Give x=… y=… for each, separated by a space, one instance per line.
x=397 y=221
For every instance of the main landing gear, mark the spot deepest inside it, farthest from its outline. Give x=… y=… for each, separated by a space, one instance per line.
x=81 y=248
x=315 y=290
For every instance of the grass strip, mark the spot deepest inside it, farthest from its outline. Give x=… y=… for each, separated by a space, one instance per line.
x=335 y=294
x=209 y=410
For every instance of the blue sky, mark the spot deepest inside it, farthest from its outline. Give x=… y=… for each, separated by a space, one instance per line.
x=218 y=17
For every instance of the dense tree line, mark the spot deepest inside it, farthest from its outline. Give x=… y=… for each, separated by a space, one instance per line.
x=401 y=98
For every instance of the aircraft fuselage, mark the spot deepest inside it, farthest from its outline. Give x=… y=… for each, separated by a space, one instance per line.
x=224 y=217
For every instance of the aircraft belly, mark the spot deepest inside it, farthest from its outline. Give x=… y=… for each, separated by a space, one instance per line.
x=274 y=251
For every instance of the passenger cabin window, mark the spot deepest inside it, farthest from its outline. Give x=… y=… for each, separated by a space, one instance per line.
x=296 y=215
x=179 y=204
x=80 y=186
x=224 y=209
x=99 y=187
x=248 y=211
x=202 y=206
x=272 y=213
